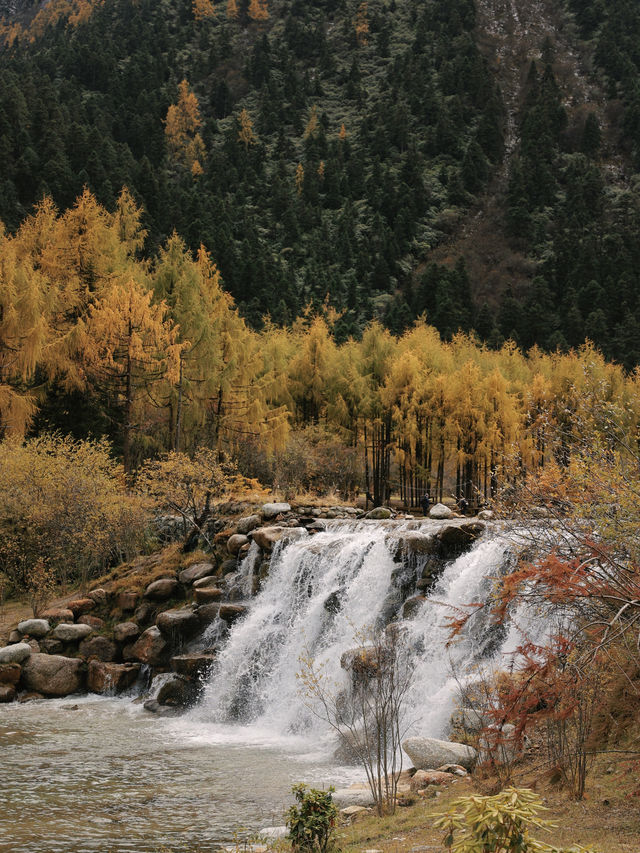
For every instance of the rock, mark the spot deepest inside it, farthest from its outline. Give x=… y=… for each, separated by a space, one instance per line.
x=17 y=653
x=427 y=753
x=271 y=510
x=126 y=632
x=15 y=636
x=52 y=647
x=206 y=582
x=273 y=833
x=412 y=544
x=499 y=745
x=456 y=769
x=248 y=523
x=162 y=589
x=34 y=627
x=10 y=673
x=379 y=512
x=363 y=661
x=80 y=606
x=266 y=537
x=231 y=612
x=422 y=778
x=58 y=614
x=316 y=526
x=178 y=691
x=109 y=678
x=455 y=539
x=92 y=621
x=440 y=511
x=413 y=606
x=127 y=601
x=53 y=675
x=99 y=596
x=68 y=632
x=236 y=542
x=181 y=623
x=470 y=720
x=195 y=572
x=208 y=613
x=196 y=666
x=154 y=707
x=30 y=696
x=360 y=796
x=352 y=811
x=98 y=647
x=145 y=613
x=34 y=645
x=7 y=693
x=151 y=647
x=485 y=515
x=206 y=594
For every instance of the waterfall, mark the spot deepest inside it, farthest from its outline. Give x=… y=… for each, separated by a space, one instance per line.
x=322 y=589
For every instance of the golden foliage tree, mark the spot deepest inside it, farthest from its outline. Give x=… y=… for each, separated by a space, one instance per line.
x=232 y=10
x=246 y=134
x=203 y=10
x=361 y=24
x=181 y=129
x=258 y=10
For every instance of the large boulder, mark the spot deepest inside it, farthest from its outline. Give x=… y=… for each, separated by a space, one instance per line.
x=126 y=632
x=266 y=537
x=181 y=623
x=7 y=693
x=51 y=646
x=422 y=778
x=109 y=678
x=195 y=572
x=206 y=594
x=379 y=512
x=248 y=523
x=440 y=511
x=127 y=600
x=207 y=582
x=34 y=627
x=99 y=596
x=236 y=542
x=161 y=589
x=151 y=647
x=454 y=539
x=356 y=796
x=427 y=753
x=92 y=621
x=71 y=633
x=271 y=510
x=98 y=647
x=208 y=613
x=17 y=653
x=413 y=606
x=53 y=675
x=178 y=692
x=80 y=606
x=196 y=666
x=58 y=614
x=230 y=612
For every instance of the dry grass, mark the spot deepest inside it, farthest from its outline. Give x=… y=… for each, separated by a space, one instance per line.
x=137 y=574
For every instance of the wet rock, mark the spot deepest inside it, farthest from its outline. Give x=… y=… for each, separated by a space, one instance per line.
x=422 y=778
x=16 y=653
x=80 y=606
x=145 y=613
x=109 y=678
x=10 y=673
x=208 y=613
x=151 y=647
x=92 y=621
x=332 y=602
x=204 y=595
x=427 y=753
x=98 y=647
x=236 y=542
x=126 y=632
x=456 y=539
x=30 y=696
x=178 y=691
x=154 y=707
x=316 y=526
x=34 y=627
x=266 y=537
x=181 y=623
x=440 y=511
x=195 y=666
x=231 y=612
x=364 y=661
x=52 y=647
x=68 y=632
x=7 y=693
x=229 y=566
x=162 y=589
x=126 y=601
x=413 y=606
x=379 y=512
x=195 y=572
x=271 y=510
x=412 y=544
x=206 y=582
x=53 y=675
x=99 y=596
x=58 y=614
x=485 y=515
x=248 y=523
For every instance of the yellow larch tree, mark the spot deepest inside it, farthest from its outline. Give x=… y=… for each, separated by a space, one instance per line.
x=246 y=133
x=203 y=10
x=232 y=10
x=299 y=178
x=361 y=24
x=258 y=10
x=312 y=124
x=185 y=143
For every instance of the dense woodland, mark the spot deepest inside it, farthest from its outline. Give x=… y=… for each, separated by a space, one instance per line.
x=265 y=276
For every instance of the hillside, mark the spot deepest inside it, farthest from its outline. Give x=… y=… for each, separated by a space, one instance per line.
x=474 y=162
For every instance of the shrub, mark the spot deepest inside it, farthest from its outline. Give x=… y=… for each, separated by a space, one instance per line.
x=65 y=513
x=498 y=824
x=311 y=822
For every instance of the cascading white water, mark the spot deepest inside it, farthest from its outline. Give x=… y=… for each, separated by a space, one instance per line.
x=320 y=591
